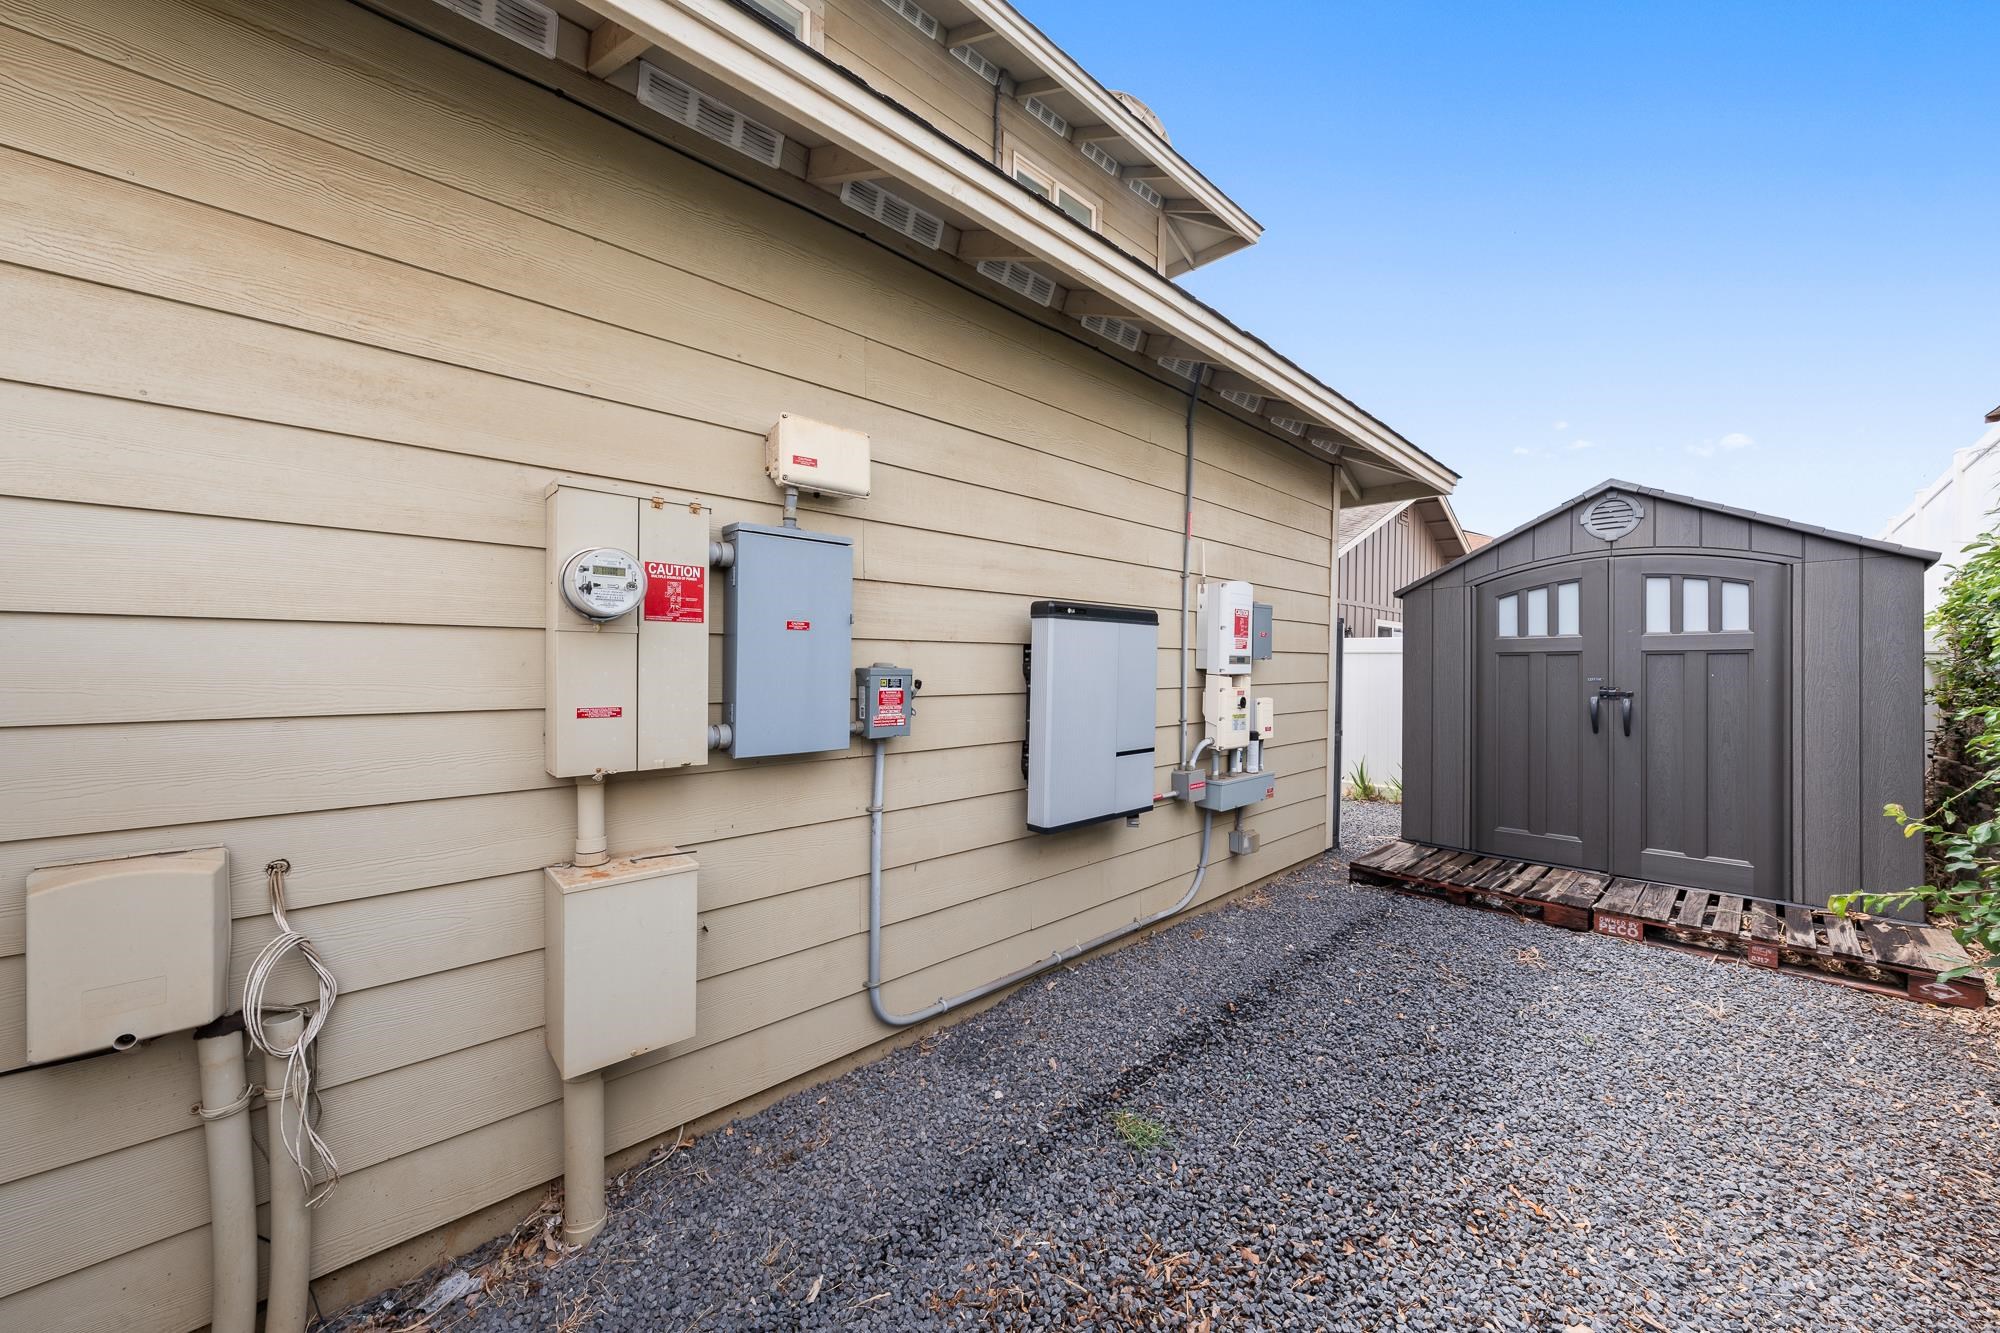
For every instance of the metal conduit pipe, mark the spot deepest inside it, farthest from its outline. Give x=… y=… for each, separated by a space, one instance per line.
x=232 y=1193
x=583 y=1158
x=1187 y=553
x=291 y=1227
x=1061 y=956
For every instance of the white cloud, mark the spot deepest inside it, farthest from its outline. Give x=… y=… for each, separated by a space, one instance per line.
x=1583 y=444
x=1523 y=451
x=1735 y=440
x=1562 y=425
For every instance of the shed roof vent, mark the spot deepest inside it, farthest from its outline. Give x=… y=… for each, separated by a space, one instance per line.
x=1612 y=516
x=531 y=24
x=893 y=211
x=698 y=111
x=1020 y=278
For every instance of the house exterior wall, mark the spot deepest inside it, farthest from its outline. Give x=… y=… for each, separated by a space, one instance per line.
x=1855 y=689
x=298 y=290
x=1393 y=556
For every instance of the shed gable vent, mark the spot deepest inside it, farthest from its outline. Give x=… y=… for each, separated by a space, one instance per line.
x=972 y=59
x=893 y=211
x=1020 y=278
x=917 y=17
x=1121 y=331
x=1290 y=425
x=1182 y=366
x=531 y=24
x=1612 y=516
x=1048 y=115
x=1100 y=157
x=698 y=111
x=1146 y=192
x=1249 y=402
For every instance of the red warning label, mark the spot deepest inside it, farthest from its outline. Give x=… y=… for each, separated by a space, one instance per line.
x=1242 y=629
x=604 y=710
x=889 y=707
x=798 y=624
x=800 y=460
x=677 y=594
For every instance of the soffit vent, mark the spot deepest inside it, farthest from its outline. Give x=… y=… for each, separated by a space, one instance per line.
x=1249 y=402
x=1020 y=278
x=1146 y=192
x=664 y=93
x=1182 y=366
x=972 y=59
x=894 y=211
x=1048 y=115
x=1103 y=159
x=1612 y=516
x=1290 y=425
x=917 y=17
x=531 y=24
x=1121 y=331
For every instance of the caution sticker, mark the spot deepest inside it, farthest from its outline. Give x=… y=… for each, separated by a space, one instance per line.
x=1242 y=628
x=602 y=710
x=889 y=706
x=676 y=594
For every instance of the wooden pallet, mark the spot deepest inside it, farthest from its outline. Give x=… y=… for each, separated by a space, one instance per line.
x=1890 y=957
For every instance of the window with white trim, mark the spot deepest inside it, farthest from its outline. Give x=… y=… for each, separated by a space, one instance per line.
x=1084 y=210
x=795 y=19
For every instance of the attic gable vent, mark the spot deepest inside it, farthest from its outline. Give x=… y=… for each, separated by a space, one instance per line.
x=1048 y=115
x=1180 y=365
x=698 y=111
x=531 y=24
x=1020 y=278
x=1290 y=425
x=1249 y=402
x=1100 y=157
x=1612 y=516
x=970 y=57
x=917 y=17
x=1146 y=192
x=1121 y=331
x=893 y=211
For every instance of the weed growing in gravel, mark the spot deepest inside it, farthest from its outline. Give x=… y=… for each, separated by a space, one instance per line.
x=1139 y=1133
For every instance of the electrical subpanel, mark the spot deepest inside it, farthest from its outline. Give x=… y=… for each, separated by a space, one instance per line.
x=626 y=652
x=1092 y=684
x=885 y=699
x=813 y=456
x=787 y=651
x=1224 y=621
x=1260 y=631
x=1225 y=711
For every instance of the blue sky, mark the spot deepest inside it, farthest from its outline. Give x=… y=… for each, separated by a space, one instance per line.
x=1751 y=253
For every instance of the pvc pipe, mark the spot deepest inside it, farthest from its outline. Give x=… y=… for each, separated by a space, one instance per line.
x=1056 y=959
x=590 y=840
x=232 y=1191
x=291 y=1227
x=583 y=1158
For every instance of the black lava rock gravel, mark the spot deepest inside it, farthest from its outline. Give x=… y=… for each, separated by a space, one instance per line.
x=1371 y=1112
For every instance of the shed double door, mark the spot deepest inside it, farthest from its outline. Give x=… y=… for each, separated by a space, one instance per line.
x=1630 y=718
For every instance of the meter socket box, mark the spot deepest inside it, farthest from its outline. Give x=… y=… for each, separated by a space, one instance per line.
x=885 y=699
x=1224 y=623
x=1092 y=687
x=619 y=967
x=788 y=653
x=124 y=949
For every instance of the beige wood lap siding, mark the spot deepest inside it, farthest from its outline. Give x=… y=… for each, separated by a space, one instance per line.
x=298 y=290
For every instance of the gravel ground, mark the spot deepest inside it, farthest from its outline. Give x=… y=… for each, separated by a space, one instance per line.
x=1377 y=1112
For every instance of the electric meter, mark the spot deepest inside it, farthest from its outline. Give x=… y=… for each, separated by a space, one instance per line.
x=603 y=582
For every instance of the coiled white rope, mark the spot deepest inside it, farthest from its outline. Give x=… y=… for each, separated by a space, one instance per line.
x=307 y=1149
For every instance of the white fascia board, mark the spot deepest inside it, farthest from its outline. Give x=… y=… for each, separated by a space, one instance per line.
x=729 y=45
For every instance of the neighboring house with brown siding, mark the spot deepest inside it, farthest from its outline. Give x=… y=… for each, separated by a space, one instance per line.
x=1389 y=546
x=312 y=307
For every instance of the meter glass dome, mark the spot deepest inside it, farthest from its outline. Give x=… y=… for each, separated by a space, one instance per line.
x=603 y=582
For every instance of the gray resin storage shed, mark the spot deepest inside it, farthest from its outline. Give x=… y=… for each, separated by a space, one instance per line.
x=1666 y=689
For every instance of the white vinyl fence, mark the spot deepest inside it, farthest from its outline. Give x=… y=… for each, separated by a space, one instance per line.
x=1372 y=708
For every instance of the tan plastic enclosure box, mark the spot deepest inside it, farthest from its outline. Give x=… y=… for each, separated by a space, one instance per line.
x=125 y=949
x=619 y=960
x=816 y=457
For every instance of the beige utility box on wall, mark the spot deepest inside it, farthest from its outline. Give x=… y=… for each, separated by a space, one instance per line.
x=125 y=949
x=817 y=457
x=620 y=960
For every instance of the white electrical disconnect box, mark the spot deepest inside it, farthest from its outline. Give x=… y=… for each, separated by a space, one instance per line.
x=125 y=949
x=1266 y=718
x=1225 y=620
x=1225 y=710
x=626 y=657
x=619 y=961
x=814 y=456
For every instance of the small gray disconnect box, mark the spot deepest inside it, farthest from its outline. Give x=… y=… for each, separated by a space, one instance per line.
x=885 y=699
x=1260 y=631
x=787 y=654
x=1092 y=685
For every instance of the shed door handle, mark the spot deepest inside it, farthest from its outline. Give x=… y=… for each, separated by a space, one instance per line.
x=1595 y=700
x=1625 y=707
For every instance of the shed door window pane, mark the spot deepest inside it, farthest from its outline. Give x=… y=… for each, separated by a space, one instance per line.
x=1736 y=606
x=1659 y=606
x=1566 y=609
x=1694 y=606
x=1538 y=611
x=1510 y=616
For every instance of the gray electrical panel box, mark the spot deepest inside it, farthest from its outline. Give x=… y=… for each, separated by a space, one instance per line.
x=885 y=699
x=787 y=653
x=1260 y=631
x=1092 y=685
